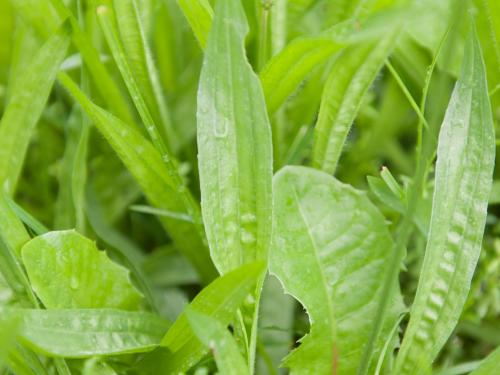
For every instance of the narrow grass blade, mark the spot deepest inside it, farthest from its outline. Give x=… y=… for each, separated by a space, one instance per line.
x=199 y=15
x=466 y=154
x=26 y=105
x=80 y=333
x=490 y=365
x=234 y=146
x=349 y=79
x=160 y=185
x=330 y=253
x=219 y=300
x=221 y=343
x=104 y=83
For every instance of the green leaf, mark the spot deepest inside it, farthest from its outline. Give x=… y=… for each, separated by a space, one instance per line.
x=26 y=104
x=82 y=333
x=285 y=71
x=81 y=275
x=221 y=343
x=219 y=300
x=490 y=365
x=199 y=15
x=349 y=79
x=329 y=240
x=140 y=60
x=160 y=185
x=234 y=145
x=466 y=154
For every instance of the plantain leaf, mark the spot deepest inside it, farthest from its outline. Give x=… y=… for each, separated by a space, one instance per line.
x=156 y=181
x=26 y=104
x=219 y=300
x=221 y=343
x=465 y=160
x=330 y=251
x=349 y=79
x=79 y=333
x=234 y=144
x=490 y=365
x=81 y=275
x=199 y=15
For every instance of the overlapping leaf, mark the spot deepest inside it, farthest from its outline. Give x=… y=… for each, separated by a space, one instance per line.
x=330 y=251
x=465 y=161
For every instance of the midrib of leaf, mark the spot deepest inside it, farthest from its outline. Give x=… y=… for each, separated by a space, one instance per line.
x=325 y=289
x=455 y=236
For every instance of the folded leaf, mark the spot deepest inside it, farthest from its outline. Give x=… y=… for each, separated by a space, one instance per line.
x=199 y=14
x=234 y=146
x=221 y=343
x=330 y=251
x=465 y=160
x=81 y=276
x=81 y=333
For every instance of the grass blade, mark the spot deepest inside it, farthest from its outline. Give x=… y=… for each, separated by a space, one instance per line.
x=350 y=77
x=199 y=15
x=464 y=168
x=160 y=185
x=26 y=105
x=221 y=343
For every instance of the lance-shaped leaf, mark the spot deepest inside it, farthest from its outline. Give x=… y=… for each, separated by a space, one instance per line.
x=26 y=104
x=330 y=251
x=221 y=343
x=465 y=160
x=78 y=333
x=156 y=181
x=81 y=276
x=234 y=144
x=219 y=300
x=350 y=77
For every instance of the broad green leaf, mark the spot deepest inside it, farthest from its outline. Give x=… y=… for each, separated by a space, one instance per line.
x=465 y=160
x=219 y=300
x=199 y=14
x=234 y=145
x=26 y=105
x=349 y=79
x=330 y=251
x=221 y=343
x=490 y=365
x=160 y=185
x=81 y=275
x=79 y=333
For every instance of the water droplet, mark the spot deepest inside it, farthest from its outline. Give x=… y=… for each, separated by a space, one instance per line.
x=247 y=237
x=166 y=158
x=220 y=129
x=248 y=218
x=74 y=283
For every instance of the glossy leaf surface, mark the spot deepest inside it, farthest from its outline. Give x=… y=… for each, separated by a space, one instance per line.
x=81 y=275
x=234 y=146
x=329 y=241
x=465 y=159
